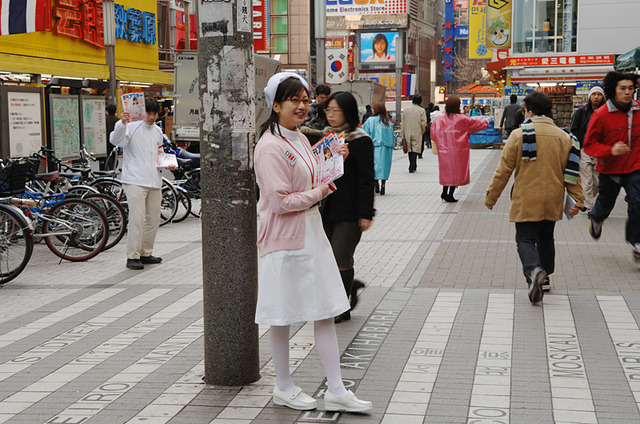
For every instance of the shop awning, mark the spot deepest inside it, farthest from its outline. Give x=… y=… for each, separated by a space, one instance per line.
x=630 y=61
x=33 y=65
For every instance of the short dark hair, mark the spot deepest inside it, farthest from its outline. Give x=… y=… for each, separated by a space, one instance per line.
x=151 y=105
x=112 y=109
x=452 y=105
x=323 y=89
x=612 y=79
x=349 y=106
x=417 y=99
x=538 y=103
x=513 y=98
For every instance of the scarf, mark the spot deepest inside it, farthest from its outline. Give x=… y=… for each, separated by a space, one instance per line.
x=348 y=135
x=529 y=151
x=621 y=108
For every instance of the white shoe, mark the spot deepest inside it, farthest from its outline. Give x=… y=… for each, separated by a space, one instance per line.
x=294 y=399
x=347 y=402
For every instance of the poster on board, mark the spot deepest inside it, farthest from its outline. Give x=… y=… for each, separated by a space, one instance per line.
x=25 y=122
x=94 y=127
x=65 y=125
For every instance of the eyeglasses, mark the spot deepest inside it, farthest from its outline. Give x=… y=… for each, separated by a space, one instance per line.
x=333 y=110
x=297 y=100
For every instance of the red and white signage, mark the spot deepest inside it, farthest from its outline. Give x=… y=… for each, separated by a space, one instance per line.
x=603 y=59
x=260 y=28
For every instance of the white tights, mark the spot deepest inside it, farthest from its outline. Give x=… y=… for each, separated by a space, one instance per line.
x=327 y=347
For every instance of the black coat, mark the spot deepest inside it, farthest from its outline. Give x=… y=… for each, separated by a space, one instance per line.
x=354 y=198
x=580 y=122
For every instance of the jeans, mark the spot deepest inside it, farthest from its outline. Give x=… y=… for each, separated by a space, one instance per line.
x=608 y=190
x=536 y=246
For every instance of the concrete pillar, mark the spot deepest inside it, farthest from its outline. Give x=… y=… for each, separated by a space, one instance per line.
x=227 y=138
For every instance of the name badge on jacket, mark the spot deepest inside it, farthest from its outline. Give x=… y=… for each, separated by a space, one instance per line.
x=290 y=157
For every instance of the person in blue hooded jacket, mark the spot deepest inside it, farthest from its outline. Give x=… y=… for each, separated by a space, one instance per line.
x=380 y=128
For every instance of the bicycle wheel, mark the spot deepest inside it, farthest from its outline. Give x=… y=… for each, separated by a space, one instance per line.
x=16 y=243
x=113 y=188
x=75 y=230
x=169 y=204
x=184 y=206
x=115 y=214
x=192 y=186
x=80 y=190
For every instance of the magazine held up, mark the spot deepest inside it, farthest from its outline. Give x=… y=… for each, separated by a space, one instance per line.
x=134 y=104
x=327 y=155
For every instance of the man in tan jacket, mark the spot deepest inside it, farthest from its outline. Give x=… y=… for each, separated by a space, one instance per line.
x=538 y=194
x=414 y=123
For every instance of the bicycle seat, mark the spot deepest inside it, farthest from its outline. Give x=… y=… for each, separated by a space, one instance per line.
x=49 y=176
x=105 y=173
x=195 y=157
x=80 y=170
x=183 y=163
x=68 y=175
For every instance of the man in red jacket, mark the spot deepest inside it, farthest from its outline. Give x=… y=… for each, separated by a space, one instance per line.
x=614 y=138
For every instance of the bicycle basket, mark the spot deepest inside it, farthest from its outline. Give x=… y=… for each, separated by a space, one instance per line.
x=14 y=176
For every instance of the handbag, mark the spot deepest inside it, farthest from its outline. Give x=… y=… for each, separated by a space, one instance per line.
x=404 y=145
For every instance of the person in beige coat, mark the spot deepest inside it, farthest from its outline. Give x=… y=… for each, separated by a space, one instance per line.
x=414 y=123
x=543 y=168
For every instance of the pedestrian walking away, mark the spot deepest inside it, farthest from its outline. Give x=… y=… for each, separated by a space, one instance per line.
x=588 y=164
x=380 y=129
x=298 y=278
x=508 y=121
x=450 y=132
x=349 y=211
x=613 y=137
x=413 y=125
x=141 y=142
x=427 y=133
x=545 y=160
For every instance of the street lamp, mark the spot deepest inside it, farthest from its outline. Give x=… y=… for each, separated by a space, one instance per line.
x=109 y=19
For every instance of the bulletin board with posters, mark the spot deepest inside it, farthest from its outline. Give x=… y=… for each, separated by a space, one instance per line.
x=22 y=128
x=94 y=125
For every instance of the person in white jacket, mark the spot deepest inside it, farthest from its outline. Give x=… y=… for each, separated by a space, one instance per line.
x=141 y=142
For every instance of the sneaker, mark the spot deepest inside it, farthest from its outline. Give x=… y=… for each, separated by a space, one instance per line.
x=134 y=264
x=347 y=402
x=294 y=399
x=546 y=285
x=535 y=288
x=595 y=229
x=150 y=260
x=636 y=252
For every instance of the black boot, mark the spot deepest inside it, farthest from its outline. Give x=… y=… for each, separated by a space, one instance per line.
x=377 y=187
x=382 y=187
x=445 y=196
x=357 y=285
x=450 y=197
x=347 y=282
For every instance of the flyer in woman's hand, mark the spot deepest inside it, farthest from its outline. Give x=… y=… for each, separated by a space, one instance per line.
x=327 y=154
x=134 y=104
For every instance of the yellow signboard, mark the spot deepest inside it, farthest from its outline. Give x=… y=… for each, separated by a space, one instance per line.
x=478 y=30
x=499 y=24
x=60 y=47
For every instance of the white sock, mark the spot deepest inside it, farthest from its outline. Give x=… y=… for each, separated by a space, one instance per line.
x=280 y=353
x=327 y=347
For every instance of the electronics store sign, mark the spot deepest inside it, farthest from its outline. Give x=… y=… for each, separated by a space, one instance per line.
x=365 y=7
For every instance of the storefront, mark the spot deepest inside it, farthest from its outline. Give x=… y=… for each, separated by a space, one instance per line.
x=63 y=107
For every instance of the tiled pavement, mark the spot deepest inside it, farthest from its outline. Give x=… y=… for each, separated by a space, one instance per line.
x=444 y=332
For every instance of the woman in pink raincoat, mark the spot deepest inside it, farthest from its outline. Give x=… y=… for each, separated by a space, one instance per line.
x=450 y=132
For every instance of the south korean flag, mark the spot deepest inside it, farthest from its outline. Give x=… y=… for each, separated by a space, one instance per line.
x=337 y=66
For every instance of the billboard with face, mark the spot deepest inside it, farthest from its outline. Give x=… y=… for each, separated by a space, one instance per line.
x=378 y=47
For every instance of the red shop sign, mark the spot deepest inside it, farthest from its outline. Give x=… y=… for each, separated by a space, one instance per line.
x=260 y=34
x=601 y=59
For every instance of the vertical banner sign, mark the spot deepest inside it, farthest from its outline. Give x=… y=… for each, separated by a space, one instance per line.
x=449 y=36
x=260 y=25
x=337 y=66
x=499 y=24
x=478 y=30
x=567 y=25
